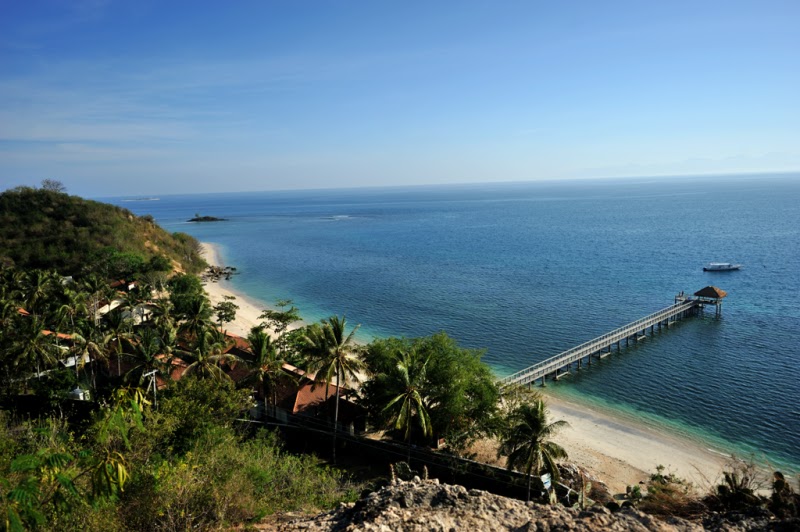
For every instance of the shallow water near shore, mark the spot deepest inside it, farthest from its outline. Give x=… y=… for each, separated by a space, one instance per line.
x=527 y=270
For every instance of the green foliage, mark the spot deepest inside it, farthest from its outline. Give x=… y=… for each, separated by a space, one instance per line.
x=459 y=391
x=126 y=466
x=50 y=475
x=224 y=479
x=53 y=186
x=184 y=292
x=226 y=310
x=330 y=351
x=192 y=407
x=407 y=383
x=783 y=502
x=183 y=467
x=267 y=368
x=667 y=495
x=48 y=229
x=279 y=321
x=739 y=487
x=526 y=444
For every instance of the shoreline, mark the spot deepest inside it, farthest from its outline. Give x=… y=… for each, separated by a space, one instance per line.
x=622 y=452
x=619 y=451
x=249 y=309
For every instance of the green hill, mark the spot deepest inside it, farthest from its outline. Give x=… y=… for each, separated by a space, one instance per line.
x=49 y=229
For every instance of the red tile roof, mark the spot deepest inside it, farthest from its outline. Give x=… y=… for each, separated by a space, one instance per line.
x=177 y=369
x=60 y=336
x=310 y=395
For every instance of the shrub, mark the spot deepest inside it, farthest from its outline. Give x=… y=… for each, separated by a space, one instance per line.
x=224 y=479
x=669 y=495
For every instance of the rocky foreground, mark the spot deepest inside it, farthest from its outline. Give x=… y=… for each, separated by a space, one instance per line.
x=428 y=505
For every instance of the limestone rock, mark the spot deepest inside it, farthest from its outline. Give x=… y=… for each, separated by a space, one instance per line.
x=427 y=505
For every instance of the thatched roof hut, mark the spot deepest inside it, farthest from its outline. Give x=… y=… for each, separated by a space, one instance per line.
x=711 y=292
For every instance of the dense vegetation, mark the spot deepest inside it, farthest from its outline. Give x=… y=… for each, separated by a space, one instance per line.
x=131 y=460
x=182 y=467
x=456 y=392
x=159 y=446
x=46 y=228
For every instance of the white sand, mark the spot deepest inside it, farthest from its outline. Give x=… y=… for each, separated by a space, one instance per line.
x=249 y=310
x=618 y=451
x=623 y=453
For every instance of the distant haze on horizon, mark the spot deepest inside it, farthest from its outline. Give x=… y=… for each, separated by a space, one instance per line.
x=144 y=98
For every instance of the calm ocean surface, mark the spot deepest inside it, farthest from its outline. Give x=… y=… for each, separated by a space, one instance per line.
x=527 y=270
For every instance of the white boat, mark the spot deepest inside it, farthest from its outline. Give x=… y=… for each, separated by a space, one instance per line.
x=720 y=267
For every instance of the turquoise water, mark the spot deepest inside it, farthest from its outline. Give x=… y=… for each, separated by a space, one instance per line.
x=527 y=270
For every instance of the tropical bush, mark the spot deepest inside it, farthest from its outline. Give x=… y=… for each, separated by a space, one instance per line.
x=458 y=392
x=47 y=229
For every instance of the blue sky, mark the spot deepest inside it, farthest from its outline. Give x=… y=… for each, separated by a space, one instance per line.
x=146 y=97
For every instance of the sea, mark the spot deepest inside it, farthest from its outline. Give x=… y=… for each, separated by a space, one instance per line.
x=527 y=270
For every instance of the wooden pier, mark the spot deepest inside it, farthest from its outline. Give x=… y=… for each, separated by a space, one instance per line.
x=600 y=347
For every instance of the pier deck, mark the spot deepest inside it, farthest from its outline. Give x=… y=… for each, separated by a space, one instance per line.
x=632 y=331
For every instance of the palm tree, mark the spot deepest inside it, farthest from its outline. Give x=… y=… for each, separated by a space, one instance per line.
x=162 y=312
x=526 y=442
x=406 y=384
x=206 y=356
x=197 y=318
x=145 y=350
x=99 y=291
x=332 y=353
x=36 y=285
x=85 y=347
x=119 y=329
x=268 y=364
x=73 y=306
x=32 y=346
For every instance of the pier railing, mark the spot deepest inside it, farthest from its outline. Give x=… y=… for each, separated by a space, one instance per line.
x=553 y=364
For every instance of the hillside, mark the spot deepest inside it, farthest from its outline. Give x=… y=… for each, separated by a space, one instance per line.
x=48 y=229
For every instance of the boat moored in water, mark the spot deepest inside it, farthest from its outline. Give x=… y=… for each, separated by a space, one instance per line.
x=720 y=267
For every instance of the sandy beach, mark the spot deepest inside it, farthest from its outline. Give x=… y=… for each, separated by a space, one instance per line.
x=249 y=310
x=623 y=453
x=618 y=451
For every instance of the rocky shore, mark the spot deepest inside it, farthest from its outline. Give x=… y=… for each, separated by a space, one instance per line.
x=427 y=505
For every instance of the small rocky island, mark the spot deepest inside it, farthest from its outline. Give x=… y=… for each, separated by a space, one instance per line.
x=198 y=218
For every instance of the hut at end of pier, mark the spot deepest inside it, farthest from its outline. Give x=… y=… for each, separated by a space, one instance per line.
x=711 y=295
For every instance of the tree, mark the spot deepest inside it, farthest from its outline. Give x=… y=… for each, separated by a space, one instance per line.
x=182 y=290
x=33 y=348
x=36 y=288
x=196 y=317
x=119 y=330
x=99 y=292
x=86 y=348
x=526 y=442
x=72 y=309
x=268 y=365
x=407 y=382
x=279 y=321
x=332 y=352
x=145 y=350
x=205 y=357
x=226 y=310
x=460 y=391
x=52 y=185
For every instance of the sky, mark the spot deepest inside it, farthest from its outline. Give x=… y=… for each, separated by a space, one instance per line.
x=157 y=97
